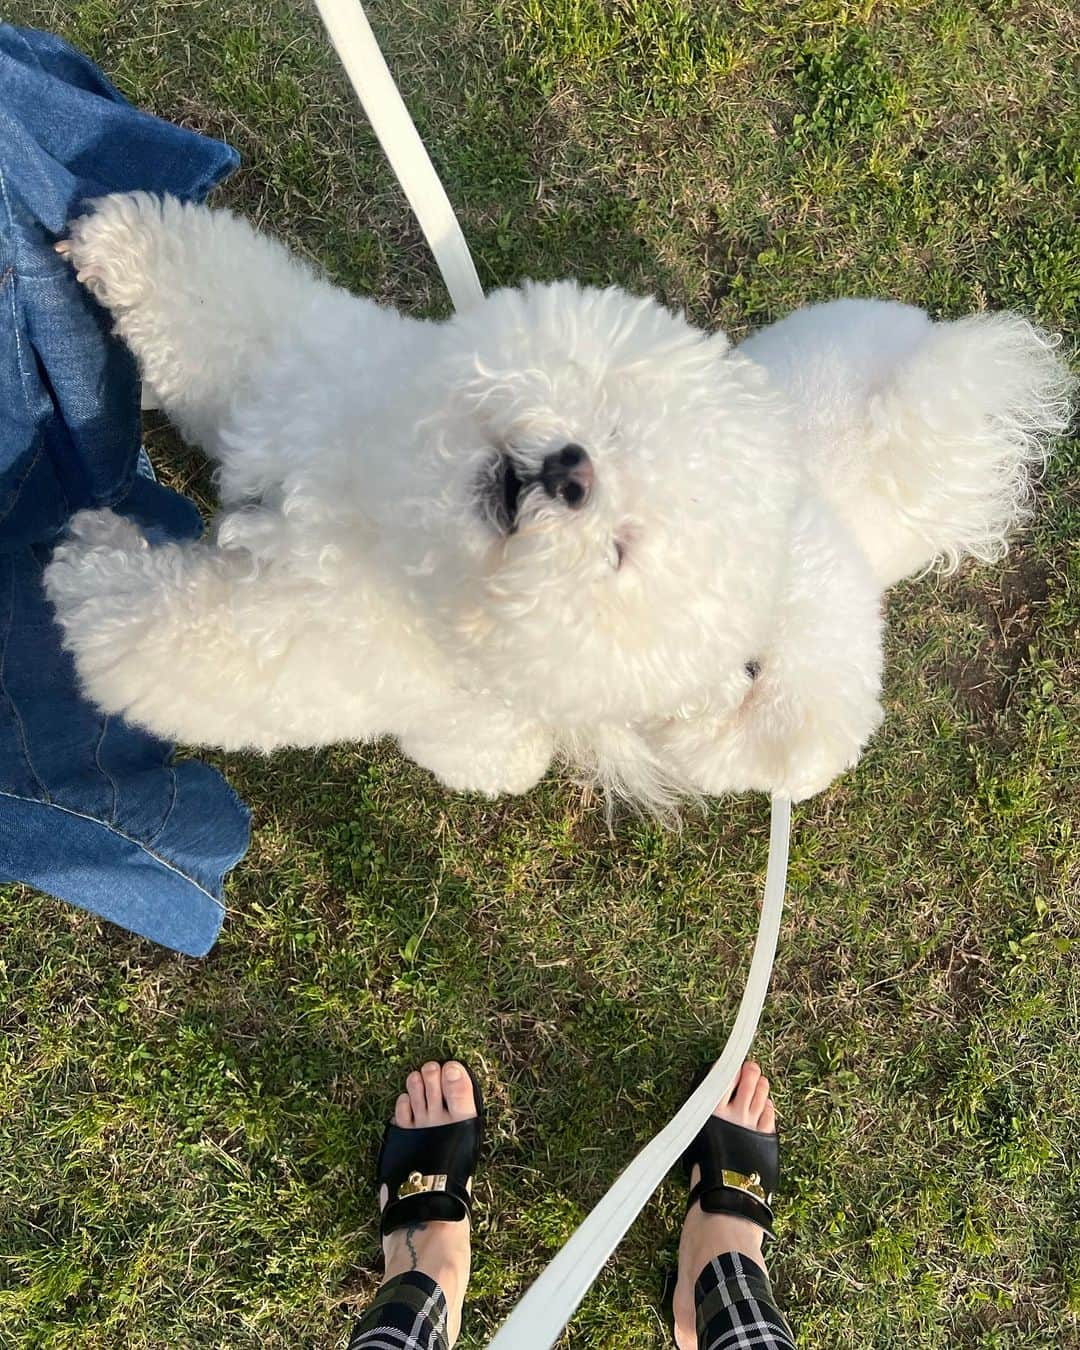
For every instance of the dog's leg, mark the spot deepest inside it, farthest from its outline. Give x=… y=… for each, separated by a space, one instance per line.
x=155 y=637
x=813 y=703
x=481 y=749
x=923 y=436
x=197 y=295
x=189 y=642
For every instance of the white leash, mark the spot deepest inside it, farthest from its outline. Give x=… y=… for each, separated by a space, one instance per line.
x=351 y=34
x=539 y=1318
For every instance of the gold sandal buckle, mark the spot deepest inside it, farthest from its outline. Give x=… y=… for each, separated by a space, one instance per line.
x=421 y=1185
x=749 y=1185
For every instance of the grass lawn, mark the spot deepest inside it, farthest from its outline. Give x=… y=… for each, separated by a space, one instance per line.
x=186 y=1147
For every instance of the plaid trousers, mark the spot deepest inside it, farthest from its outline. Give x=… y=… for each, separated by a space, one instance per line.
x=408 y=1313
x=735 y=1311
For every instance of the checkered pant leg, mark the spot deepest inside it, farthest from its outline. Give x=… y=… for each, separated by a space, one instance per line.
x=409 y=1313
x=735 y=1307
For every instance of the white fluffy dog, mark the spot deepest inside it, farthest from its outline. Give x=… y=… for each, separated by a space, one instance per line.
x=565 y=524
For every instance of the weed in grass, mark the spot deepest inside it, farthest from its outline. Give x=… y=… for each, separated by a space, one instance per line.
x=848 y=91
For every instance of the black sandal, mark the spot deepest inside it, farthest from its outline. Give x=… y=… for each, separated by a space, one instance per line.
x=427 y=1170
x=740 y=1171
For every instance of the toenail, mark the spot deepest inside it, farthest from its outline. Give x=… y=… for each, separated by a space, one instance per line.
x=453 y=1071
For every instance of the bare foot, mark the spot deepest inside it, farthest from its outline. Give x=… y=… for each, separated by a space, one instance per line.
x=707 y=1235
x=434 y=1095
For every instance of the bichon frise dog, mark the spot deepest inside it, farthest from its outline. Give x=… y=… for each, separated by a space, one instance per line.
x=564 y=524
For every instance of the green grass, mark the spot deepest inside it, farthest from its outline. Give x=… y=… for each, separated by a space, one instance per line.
x=186 y=1147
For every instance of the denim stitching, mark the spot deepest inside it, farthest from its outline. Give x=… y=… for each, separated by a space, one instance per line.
x=104 y=771
x=79 y=815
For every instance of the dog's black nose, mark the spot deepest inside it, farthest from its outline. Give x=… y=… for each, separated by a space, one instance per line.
x=568 y=473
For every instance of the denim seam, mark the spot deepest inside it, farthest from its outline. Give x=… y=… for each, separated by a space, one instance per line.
x=23 y=372
x=14 y=311
x=79 y=815
x=104 y=771
x=172 y=805
x=16 y=715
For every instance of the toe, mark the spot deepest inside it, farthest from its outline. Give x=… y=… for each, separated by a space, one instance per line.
x=414 y=1086
x=744 y=1091
x=457 y=1090
x=436 y=1107
x=403 y=1115
x=757 y=1102
x=767 y=1120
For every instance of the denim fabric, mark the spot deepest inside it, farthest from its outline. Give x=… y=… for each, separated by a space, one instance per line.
x=91 y=810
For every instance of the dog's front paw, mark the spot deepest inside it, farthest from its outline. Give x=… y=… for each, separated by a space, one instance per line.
x=483 y=752
x=103 y=529
x=110 y=247
x=92 y=562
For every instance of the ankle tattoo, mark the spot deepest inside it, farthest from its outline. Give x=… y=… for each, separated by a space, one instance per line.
x=410 y=1232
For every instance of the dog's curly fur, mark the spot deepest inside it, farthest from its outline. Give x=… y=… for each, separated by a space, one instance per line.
x=392 y=557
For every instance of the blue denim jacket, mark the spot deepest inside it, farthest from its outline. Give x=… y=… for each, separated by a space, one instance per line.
x=91 y=809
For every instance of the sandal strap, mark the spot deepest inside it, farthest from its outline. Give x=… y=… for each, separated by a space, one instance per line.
x=734 y=1201
x=426 y=1172
x=740 y=1170
x=427 y=1206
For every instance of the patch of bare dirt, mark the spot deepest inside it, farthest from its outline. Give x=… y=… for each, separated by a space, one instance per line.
x=1010 y=613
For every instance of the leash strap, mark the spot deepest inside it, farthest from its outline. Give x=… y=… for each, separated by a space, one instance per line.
x=539 y=1318
x=351 y=34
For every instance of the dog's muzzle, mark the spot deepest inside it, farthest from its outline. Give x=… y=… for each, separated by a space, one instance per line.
x=566 y=475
